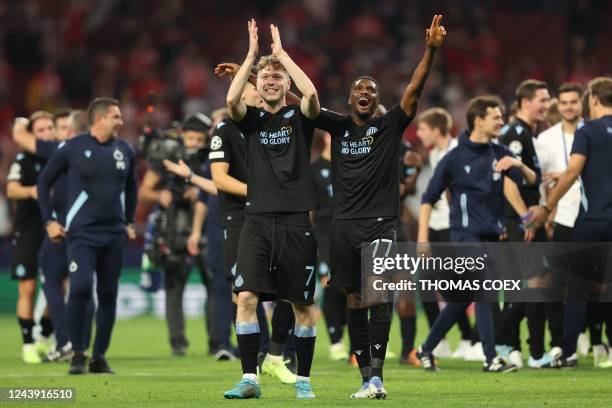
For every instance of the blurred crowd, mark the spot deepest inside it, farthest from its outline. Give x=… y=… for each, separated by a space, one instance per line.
x=56 y=53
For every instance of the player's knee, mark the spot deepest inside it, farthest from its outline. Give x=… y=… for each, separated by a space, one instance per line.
x=80 y=289
x=406 y=309
x=27 y=289
x=304 y=315
x=354 y=301
x=247 y=302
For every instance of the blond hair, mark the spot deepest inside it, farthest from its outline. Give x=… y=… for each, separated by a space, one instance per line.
x=270 y=60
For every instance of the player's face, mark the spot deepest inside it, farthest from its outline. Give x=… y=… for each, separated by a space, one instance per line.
x=570 y=106
x=427 y=134
x=539 y=105
x=112 y=121
x=192 y=139
x=252 y=97
x=272 y=84
x=62 y=128
x=492 y=123
x=364 y=97
x=43 y=129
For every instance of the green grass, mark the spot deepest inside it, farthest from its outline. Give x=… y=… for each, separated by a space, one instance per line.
x=148 y=376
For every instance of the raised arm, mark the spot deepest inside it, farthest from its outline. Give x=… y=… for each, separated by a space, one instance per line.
x=235 y=104
x=434 y=37
x=21 y=136
x=309 y=104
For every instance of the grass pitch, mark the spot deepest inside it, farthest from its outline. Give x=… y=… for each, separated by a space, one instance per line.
x=148 y=376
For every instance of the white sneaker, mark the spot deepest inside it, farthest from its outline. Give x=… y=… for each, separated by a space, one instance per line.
x=462 y=349
x=443 y=350
x=475 y=353
x=516 y=357
x=600 y=354
x=555 y=353
x=583 y=344
x=364 y=391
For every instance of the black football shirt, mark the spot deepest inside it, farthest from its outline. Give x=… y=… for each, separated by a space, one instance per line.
x=278 y=161
x=26 y=169
x=365 y=168
x=228 y=145
x=518 y=136
x=321 y=170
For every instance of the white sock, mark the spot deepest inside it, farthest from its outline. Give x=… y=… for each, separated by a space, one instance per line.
x=252 y=377
x=274 y=359
x=300 y=378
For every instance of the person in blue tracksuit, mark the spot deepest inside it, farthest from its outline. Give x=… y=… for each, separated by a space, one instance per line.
x=52 y=257
x=478 y=173
x=589 y=160
x=102 y=191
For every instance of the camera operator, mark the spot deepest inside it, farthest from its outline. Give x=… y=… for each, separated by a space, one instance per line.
x=178 y=225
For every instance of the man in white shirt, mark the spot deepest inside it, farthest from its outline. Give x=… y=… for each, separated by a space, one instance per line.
x=434 y=130
x=553 y=147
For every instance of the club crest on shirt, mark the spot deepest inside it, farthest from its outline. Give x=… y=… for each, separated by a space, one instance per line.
x=289 y=114
x=119 y=163
x=371 y=130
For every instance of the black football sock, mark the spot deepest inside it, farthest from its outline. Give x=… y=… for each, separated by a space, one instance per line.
x=46 y=326
x=360 y=340
x=26 y=330
x=380 y=323
x=248 y=341
x=305 y=337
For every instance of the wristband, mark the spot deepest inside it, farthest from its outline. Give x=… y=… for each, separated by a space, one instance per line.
x=548 y=210
x=188 y=178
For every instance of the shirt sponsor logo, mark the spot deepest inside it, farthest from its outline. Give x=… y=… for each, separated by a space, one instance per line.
x=278 y=137
x=356 y=147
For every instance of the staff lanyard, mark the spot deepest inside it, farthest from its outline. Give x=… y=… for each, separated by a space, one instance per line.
x=565 y=156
